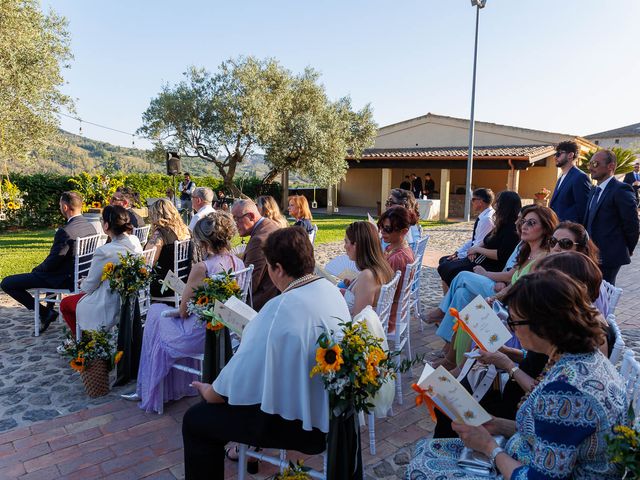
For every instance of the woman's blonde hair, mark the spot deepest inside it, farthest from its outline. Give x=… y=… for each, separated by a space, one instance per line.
x=164 y=214
x=300 y=201
x=268 y=207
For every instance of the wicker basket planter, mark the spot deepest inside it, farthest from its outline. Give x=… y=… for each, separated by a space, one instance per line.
x=96 y=378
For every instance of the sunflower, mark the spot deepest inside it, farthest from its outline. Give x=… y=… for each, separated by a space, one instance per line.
x=203 y=300
x=376 y=355
x=118 y=357
x=107 y=270
x=77 y=364
x=96 y=205
x=12 y=206
x=329 y=359
x=214 y=326
x=143 y=271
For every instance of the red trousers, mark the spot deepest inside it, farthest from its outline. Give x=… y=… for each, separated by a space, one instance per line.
x=68 y=310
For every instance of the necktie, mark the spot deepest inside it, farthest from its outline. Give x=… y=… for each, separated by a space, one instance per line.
x=593 y=206
x=636 y=175
x=475 y=226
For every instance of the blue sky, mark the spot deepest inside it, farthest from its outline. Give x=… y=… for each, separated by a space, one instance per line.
x=570 y=66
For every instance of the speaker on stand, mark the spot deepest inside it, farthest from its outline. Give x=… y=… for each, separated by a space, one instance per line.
x=173 y=169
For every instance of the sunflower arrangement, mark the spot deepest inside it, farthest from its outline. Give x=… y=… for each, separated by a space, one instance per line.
x=129 y=276
x=624 y=448
x=295 y=471
x=93 y=345
x=220 y=287
x=353 y=368
x=11 y=198
x=96 y=190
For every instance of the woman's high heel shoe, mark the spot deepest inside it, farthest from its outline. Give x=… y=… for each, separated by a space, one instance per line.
x=130 y=397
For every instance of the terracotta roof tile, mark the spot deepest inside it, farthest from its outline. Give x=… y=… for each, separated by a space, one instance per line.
x=533 y=152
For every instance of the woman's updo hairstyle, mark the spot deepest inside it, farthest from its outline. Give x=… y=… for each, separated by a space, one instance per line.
x=558 y=310
x=215 y=231
x=399 y=217
x=118 y=219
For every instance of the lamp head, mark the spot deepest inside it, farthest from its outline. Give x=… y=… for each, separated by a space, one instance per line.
x=478 y=3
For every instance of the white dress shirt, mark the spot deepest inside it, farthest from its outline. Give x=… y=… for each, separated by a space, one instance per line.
x=485 y=225
x=203 y=212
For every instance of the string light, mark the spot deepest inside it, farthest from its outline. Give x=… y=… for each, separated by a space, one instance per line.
x=133 y=135
x=80 y=129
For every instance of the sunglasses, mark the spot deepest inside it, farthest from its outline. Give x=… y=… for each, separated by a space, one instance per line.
x=559 y=153
x=386 y=228
x=565 y=243
x=390 y=203
x=529 y=223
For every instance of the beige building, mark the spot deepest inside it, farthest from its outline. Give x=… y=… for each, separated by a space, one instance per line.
x=505 y=157
x=624 y=137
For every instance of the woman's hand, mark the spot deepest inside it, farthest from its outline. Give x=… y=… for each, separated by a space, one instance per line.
x=207 y=392
x=476 y=438
x=499 y=286
x=490 y=300
x=346 y=282
x=473 y=250
x=480 y=270
x=500 y=360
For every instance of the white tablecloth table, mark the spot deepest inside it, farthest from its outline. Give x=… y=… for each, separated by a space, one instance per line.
x=429 y=209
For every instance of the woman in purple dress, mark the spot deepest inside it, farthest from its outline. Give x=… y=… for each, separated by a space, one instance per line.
x=169 y=339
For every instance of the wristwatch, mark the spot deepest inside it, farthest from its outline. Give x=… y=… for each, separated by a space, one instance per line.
x=513 y=371
x=496 y=451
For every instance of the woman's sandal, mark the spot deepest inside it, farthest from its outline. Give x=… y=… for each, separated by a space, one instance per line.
x=233 y=454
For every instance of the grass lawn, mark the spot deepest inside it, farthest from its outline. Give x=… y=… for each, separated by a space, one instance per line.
x=21 y=251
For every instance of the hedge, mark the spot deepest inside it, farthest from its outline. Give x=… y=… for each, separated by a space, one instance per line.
x=41 y=209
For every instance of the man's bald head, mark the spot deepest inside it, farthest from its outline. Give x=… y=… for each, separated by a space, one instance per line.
x=246 y=215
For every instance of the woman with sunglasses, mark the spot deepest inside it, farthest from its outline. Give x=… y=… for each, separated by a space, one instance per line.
x=394 y=224
x=561 y=426
x=405 y=198
x=362 y=246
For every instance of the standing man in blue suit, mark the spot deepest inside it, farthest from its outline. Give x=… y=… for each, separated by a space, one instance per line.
x=611 y=217
x=569 y=199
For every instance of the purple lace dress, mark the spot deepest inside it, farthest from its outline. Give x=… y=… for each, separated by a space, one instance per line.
x=168 y=340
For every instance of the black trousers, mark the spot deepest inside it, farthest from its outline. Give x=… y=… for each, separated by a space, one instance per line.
x=16 y=286
x=610 y=273
x=448 y=269
x=208 y=427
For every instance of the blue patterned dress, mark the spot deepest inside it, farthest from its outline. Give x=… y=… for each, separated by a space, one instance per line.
x=561 y=427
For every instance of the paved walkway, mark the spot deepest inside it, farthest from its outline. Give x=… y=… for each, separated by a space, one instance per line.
x=47 y=431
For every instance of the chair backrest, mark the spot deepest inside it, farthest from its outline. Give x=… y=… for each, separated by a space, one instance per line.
x=385 y=299
x=618 y=346
x=420 y=247
x=243 y=277
x=404 y=300
x=312 y=235
x=613 y=293
x=84 y=249
x=149 y=256
x=144 y=296
x=181 y=261
x=630 y=373
x=142 y=233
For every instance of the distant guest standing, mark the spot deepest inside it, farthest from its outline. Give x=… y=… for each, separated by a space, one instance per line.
x=633 y=179
x=186 y=188
x=612 y=216
x=416 y=186
x=122 y=199
x=569 y=199
x=429 y=186
x=406 y=184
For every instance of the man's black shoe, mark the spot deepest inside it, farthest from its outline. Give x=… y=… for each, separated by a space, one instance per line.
x=47 y=319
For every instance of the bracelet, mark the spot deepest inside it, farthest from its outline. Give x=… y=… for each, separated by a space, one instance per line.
x=524 y=353
x=496 y=451
x=513 y=371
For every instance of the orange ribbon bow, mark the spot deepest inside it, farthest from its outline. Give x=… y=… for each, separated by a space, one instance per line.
x=426 y=399
x=460 y=324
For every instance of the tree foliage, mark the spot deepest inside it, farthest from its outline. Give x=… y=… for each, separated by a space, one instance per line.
x=251 y=104
x=625 y=160
x=34 y=48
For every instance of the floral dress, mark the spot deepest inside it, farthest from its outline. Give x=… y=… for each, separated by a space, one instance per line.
x=561 y=428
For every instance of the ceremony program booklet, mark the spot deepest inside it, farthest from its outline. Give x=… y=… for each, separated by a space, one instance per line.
x=486 y=329
x=321 y=272
x=235 y=314
x=172 y=281
x=451 y=397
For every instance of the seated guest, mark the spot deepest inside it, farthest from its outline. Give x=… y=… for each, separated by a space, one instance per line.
x=562 y=425
x=537 y=227
x=97 y=305
x=166 y=228
x=394 y=224
x=265 y=396
x=299 y=209
x=451 y=265
x=268 y=208
x=363 y=247
x=123 y=197
x=523 y=367
x=251 y=223
x=201 y=199
x=406 y=199
x=56 y=271
x=168 y=339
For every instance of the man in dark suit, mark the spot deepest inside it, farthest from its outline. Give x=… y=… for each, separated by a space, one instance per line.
x=406 y=184
x=569 y=199
x=429 y=186
x=633 y=179
x=250 y=223
x=611 y=217
x=57 y=269
x=416 y=186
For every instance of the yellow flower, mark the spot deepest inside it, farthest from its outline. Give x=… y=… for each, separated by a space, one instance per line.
x=329 y=359
x=203 y=300
x=96 y=205
x=107 y=270
x=77 y=364
x=118 y=357
x=376 y=355
x=12 y=206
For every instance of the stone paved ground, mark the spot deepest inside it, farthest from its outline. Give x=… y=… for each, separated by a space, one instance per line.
x=50 y=429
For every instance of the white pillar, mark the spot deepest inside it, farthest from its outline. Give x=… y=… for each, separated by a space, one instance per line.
x=445 y=185
x=385 y=186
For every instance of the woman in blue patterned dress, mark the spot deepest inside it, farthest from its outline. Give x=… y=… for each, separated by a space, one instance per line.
x=561 y=427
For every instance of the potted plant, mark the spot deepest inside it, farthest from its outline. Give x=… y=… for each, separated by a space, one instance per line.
x=93 y=356
x=542 y=194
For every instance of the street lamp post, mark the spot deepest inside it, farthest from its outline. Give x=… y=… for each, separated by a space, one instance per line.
x=467 y=201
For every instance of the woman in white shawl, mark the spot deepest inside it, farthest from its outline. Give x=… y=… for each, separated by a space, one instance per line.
x=265 y=396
